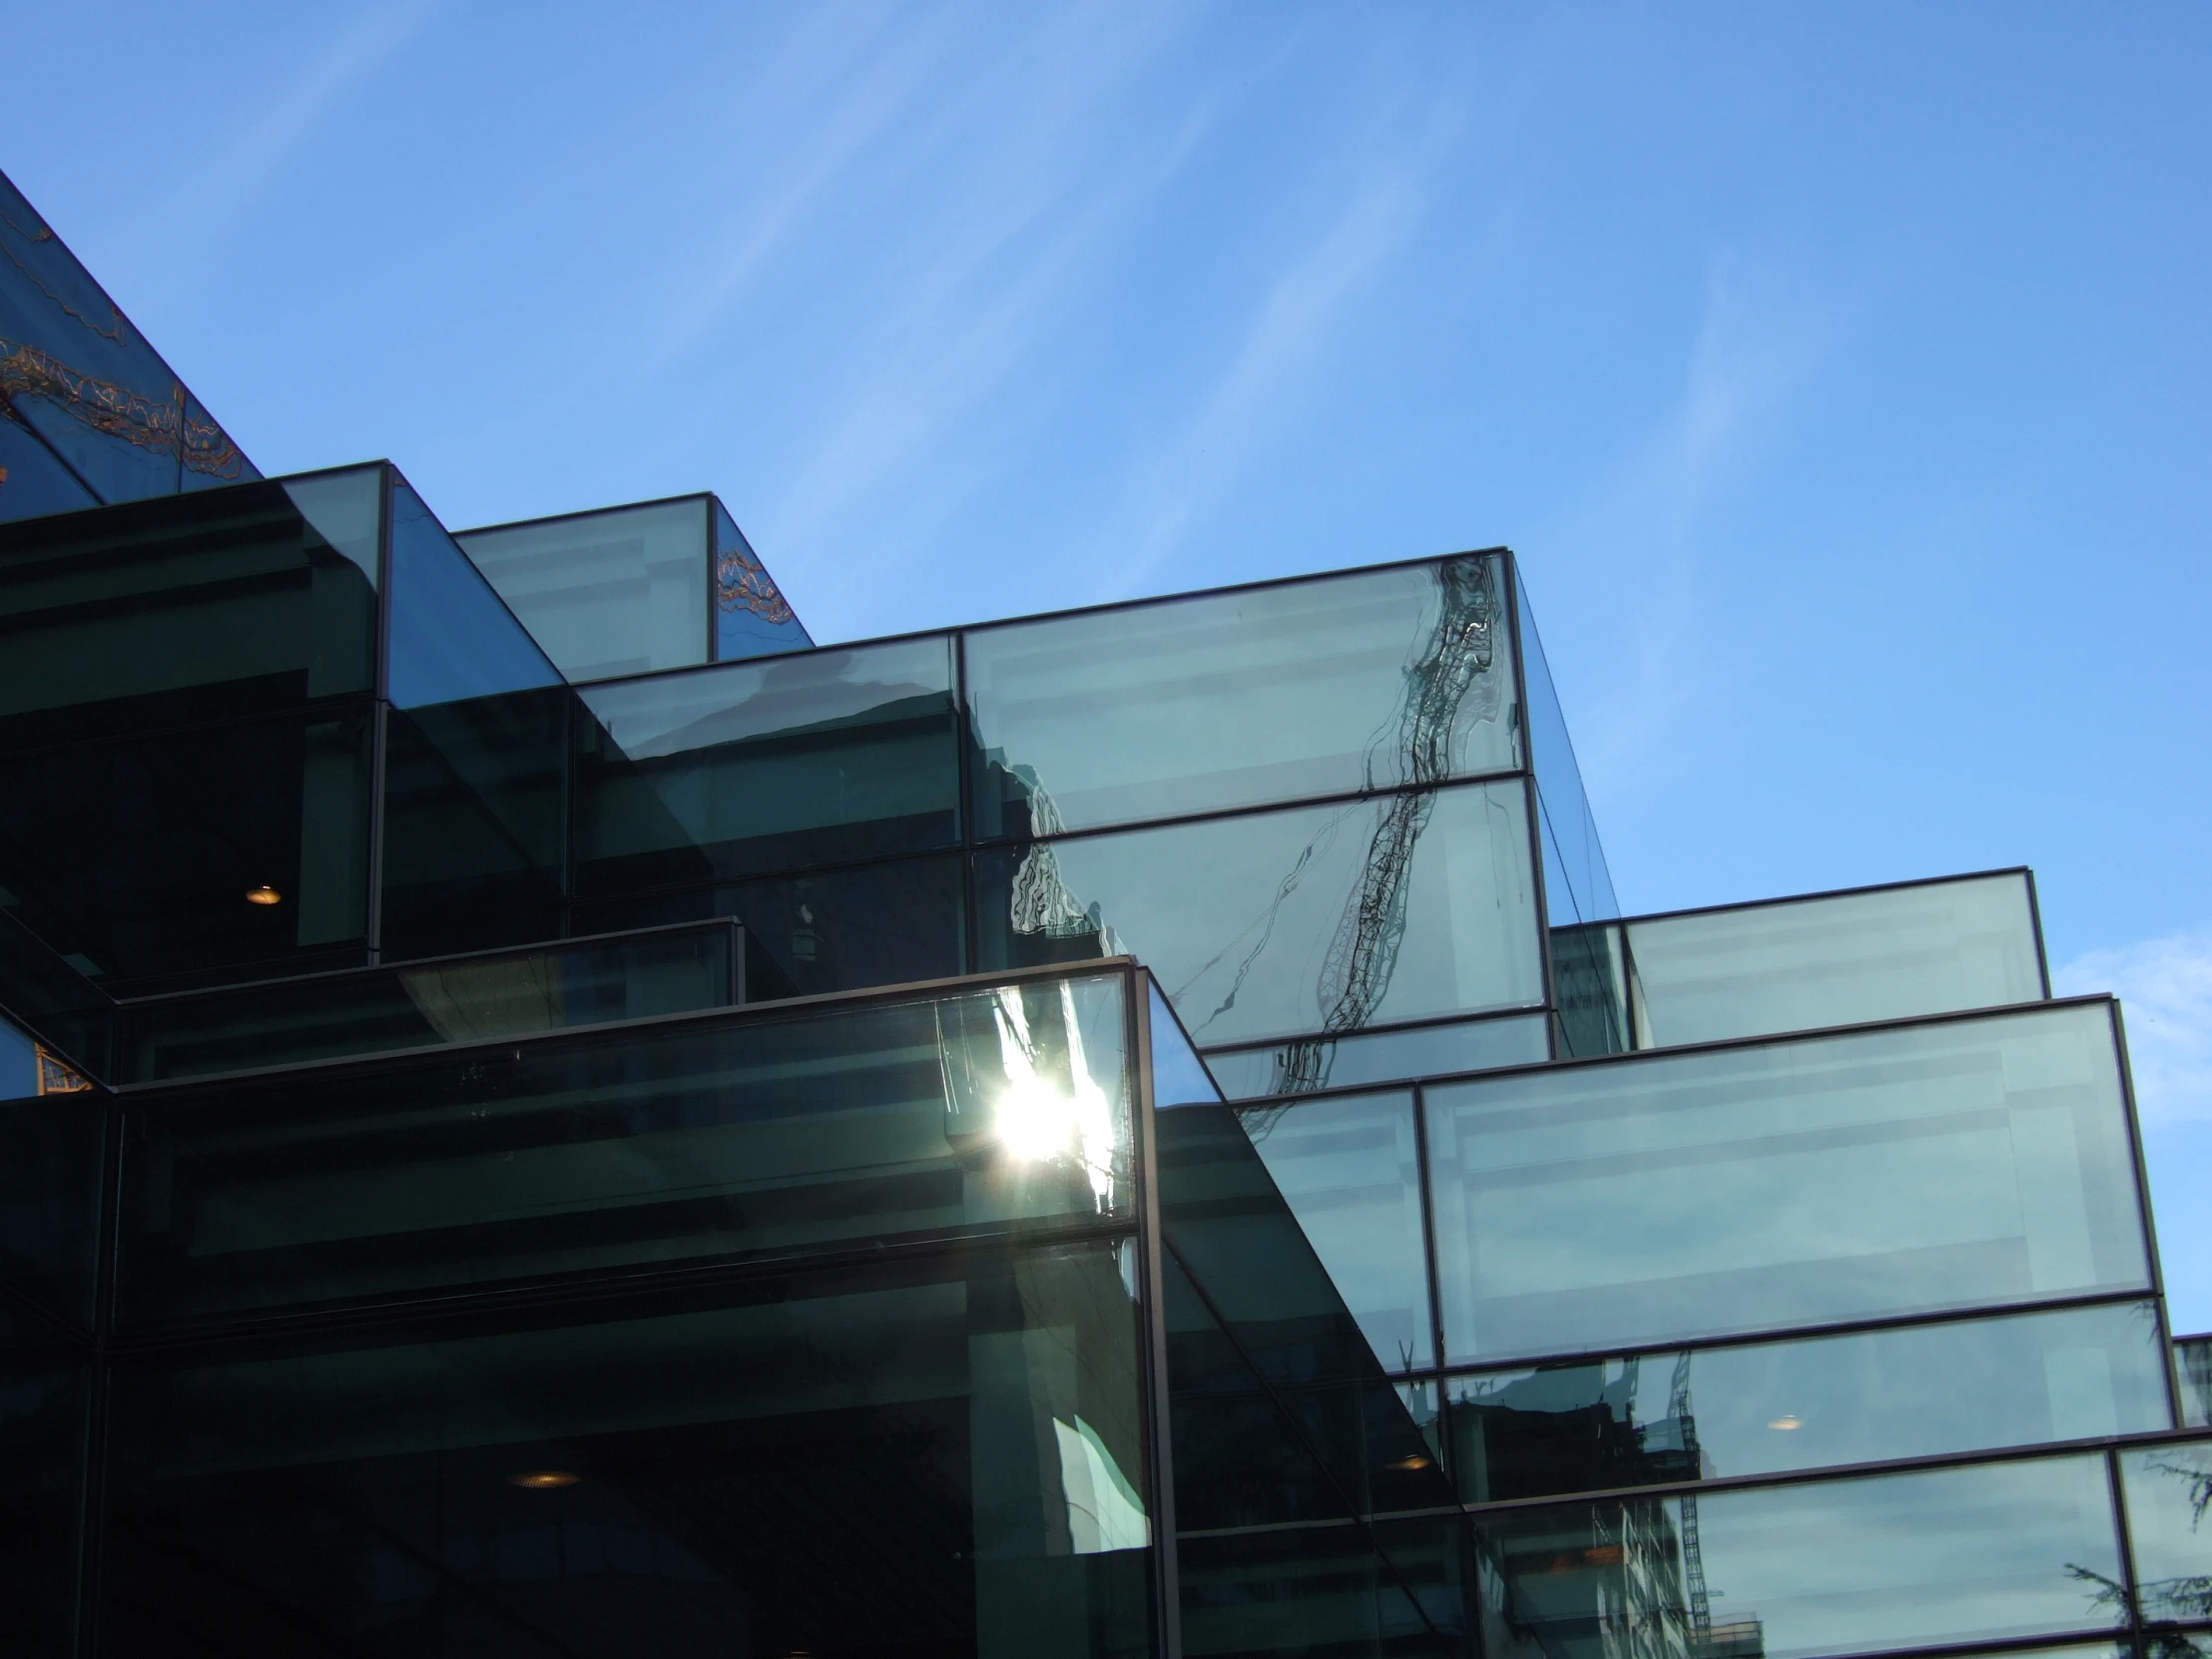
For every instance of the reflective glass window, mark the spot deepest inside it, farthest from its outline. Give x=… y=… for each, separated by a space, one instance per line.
x=1799 y=965
x=1309 y=919
x=1669 y=1196
x=1348 y=1169
x=1229 y=700
x=452 y=1000
x=161 y=613
x=671 y=1143
x=35 y=481
x=451 y=637
x=1318 y=1590
x=1589 y=988
x=42 y=1455
x=943 y=1455
x=1380 y=1056
x=52 y=999
x=752 y=615
x=51 y=1151
x=1765 y=1407
x=1578 y=886
x=2193 y=1360
x=764 y=766
x=1982 y=1553
x=18 y=1062
x=617 y=592
x=245 y=842
x=2169 y=1527
x=1179 y=1076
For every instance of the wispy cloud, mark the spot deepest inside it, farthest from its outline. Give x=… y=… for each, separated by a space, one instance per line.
x=2165 y=987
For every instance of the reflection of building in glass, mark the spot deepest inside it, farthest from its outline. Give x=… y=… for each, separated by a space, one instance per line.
x=544 y=1113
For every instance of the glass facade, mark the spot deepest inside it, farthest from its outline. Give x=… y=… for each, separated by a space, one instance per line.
x=542 y=1113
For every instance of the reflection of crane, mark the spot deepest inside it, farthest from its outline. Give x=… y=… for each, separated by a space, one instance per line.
x=1693 y=1557
x=167 y=426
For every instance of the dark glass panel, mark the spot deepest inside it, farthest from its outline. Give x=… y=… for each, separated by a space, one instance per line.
x=1666 y=1197
x=33 y=481
x=1589 y=986
x=41 y=1461
x=941 y=1457
x=2169 y=1526
x=2193 y=1360
x=1321 y=1591
x=1380 y=1056
x=622 y=591
x=473 y=805
x=628 y=1148
x=752 y=615
x=768 y=766
x=451 y=999
x=1349 y=1169
x=1580 y=867
x=1187 y=705
x=211 y=458
x=835 y=931
x=133 y=858
x=1316 y=920
x=51 y=1151
x=161 y=612
x=1934 y=948
x=53 y=1000
x=1765 y=1407
x=451 y=637
x=1984 y=1553
x=1262 y=1333
x=18 y=1062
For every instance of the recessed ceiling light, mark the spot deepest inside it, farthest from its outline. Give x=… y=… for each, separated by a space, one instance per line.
x=263 y=895
x=1787 y=1423
x=542 y=1480
x=1416 y=1461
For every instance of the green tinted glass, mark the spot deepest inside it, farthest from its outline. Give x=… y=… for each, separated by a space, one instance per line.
x=1669 y=1196
x=1229 y=700
x=2169 y=1527
x=1380 y=1056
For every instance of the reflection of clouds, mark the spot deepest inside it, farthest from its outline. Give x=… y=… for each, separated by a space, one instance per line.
x=2166 y=986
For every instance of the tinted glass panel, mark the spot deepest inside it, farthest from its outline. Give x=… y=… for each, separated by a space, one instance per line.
x=2169 y=1525
x=2193 y=1358
x=51 y=1149
x=1179 y=1078
x=667 y=1144
x=449 y=1000
x=53 y=1000
x=941 y=1457
x=36 y=482
x=1320 y=1590
x=752 y=615
x=1578 y=886
x=147 y=871
x=1350 y=1171
x=1920 y=1391
x=1828 y=1567
x=1228 y=699
x=161 y=613
x=1381 y=1057
x=1313 y=920
x=617 y=592
x=1669 y=1196
x=42 y=1451
x=1846 y=960
x=1589 y=988
x=18 y=1062
x=450 y=636
x=759 y=766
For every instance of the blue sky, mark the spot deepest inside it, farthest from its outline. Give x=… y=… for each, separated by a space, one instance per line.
x=1838 y=372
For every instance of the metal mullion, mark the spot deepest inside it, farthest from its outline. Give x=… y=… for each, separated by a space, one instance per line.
x=586 y=512
x=1167 y=1572
x=2036 y=921
x=1907 y=884
x=2149 y=1230
x=1422 y=1173
x=2123 y=1536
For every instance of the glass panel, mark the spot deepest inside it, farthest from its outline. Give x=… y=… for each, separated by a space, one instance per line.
x=942 y=1456
x=33 y=480
x=752 y=615
x=42 y=1453
x=1381 y=1057
x=1579 y=887
x=2193 y=1360
x=672 y=1143
x=1805 y=964
x=835 y=930
x=51 y=1151
x=454 y=999
x=1670 y=1196
x=2169 y=1525
x=617 y=592
x=1179 y=1078
x=1765 y=1407
x=475 y=797
x=166 y=613
x=1589 y=988
x=1229 y=699
x=451 y=637
x=1985 y=1553
x=1350 y=1171
x=18 y=1064
x=203 y=849
x=759 y=766
x=1314 y=919
x=1320 y=1590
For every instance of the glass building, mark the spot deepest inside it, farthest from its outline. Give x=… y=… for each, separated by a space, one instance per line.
x=542 y=1113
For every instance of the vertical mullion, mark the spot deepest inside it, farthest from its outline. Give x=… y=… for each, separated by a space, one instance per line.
x=1167 y=1578
x=2123 y=1536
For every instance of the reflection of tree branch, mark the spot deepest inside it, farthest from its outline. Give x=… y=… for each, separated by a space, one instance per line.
x=2110 y=1595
